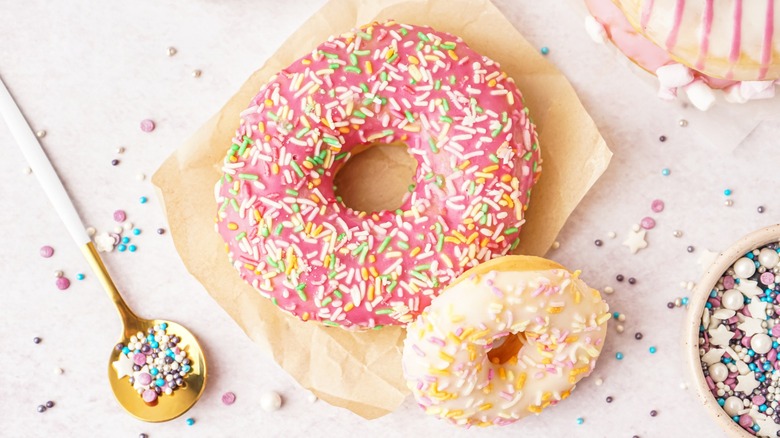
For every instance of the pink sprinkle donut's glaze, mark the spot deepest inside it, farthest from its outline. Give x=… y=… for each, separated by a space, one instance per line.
x=462 y=119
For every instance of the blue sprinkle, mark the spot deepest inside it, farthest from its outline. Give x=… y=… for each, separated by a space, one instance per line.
x=735 y=418
x=125 y=239
x=653 y=350
x=132 y=248
x=721 y=401
x=546 y=50
x=186 y=368
x=121 y=247
x=136 y=231
x=143 y=199
x=580 y=420
x=762 y=408
x=125 y=350
x=79 y=276
x=164 y=325
x=684 y=301
x=727 y=192
x=159 y=382
x=154 y=344
x=749 y=255
x=154 y=371
x=756 y=428
x=665 y=171
x=616 y=315
x=619 y=356
x=190 y=421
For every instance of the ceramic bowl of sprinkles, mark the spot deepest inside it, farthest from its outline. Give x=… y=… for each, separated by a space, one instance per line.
x=732 y=337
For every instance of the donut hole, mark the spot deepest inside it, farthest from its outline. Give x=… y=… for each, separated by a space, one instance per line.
x=376 y=177
x=506 y=347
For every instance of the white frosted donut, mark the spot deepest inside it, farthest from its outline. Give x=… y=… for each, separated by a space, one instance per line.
x=561 y=321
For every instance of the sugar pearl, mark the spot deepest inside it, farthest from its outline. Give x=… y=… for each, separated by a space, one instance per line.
x=733 y=299
x=768 y=258
x=744 y=268
x=270 y=401
x=761 y=343
x=719 y=372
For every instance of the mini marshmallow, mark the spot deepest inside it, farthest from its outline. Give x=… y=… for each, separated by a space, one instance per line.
x=752 y=90
x=700 y=95
x=595 y=30
x=674 y=75
x=733 y=94
x=667 y=93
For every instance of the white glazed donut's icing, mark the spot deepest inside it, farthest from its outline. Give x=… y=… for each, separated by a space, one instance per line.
x=445 y=356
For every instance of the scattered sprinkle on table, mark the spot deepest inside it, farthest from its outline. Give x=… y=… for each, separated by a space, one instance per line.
x=143 y=199
x=619 y=356
x=665 y=171
x=609 y=399
x=147 y=125
x=161 y=231
x=580 y=420
x=37 y=340
x=228 y=398
x=619 y=277
x=80 y=276
x=728 y=202
x=683 y=123
x=653 y=413
x=647 y=223
x=598 y=242
x=690 y=249
x=545 y=50
x=196 y=73
x=190 y=421
x=172 y=51
x=638 y=336
x=143 y=435
x=760 y=209
x=631 y=280
x=114 y=162
x=657 y=205
x=47 y=251
x=652 y=350
x=677 y=233
x=270 y=401
x=662 y=138
x=62 y=283
x=120 y=216
x=40 y=133
x=727 y=192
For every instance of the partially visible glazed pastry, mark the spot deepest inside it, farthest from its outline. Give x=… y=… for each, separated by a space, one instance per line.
x=696 y=47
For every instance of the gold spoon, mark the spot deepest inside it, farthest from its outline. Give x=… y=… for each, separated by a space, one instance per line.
x=167 y=406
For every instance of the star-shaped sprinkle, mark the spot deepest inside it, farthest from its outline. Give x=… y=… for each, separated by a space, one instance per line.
x=713 y=356
x=767 y=424
x=721 y=335
x=723 y=313
x=123 y=366
x=746 y=383
x=757 y=309
x=751 y=326
x=636 y=240
x=749 y=288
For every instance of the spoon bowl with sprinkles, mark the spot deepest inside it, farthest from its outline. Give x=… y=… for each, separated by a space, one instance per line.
x=157 y=371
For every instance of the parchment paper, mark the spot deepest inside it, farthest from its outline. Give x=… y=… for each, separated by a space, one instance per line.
x=361 y=371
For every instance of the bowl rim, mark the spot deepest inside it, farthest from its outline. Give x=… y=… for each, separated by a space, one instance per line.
x=697 y=302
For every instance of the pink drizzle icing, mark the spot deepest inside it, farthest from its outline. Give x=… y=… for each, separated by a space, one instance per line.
x=706 y=29
x=679 y=8
x=647 y=11
x=766 y=48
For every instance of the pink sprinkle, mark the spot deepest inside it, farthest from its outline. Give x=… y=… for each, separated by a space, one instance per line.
x=758 y=400
x=147 y=125
x=648 y=223
x=728 y=282
x=776 y=331
x=437 y=341
x=228 y=398
x=144 y=378
x=772 y=355
x=47 y=251
x=63 y=283
x=139 y=359
x=418 y=351
x=149 y=396
x=745 y=421
x=657 y=205
x=120 y=216
x=767 y=278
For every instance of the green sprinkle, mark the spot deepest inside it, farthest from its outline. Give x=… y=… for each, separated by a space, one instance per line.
x=446 y=119
x=437 y=85
x=296 y=209
x=331 y=140
x=342 y=155
x=392 y=285
x=446 y=104
x=383 y=76
x=472 y=187
x=353 y=59
x=292 y=192
x=234 y=147
x=329 y=55
x=432 y=144
x=326 y=301
x=422 y=267
x=511 y=230
x=296 y=168
x=419 y=276
x=278 y=229
x=363 y=255
x=384 y=244
x=409 y=116
x=515 y=243
x=496 y=131
x=248 y=176
x=377 y=327
x=332 y=261
x=332 y=274
x=333 y=66
x=364 y=87
x=352 y=69
x=338 y=294
x=272 y=262
x=364 y=35
x=440 y=243
x=383 y=311
x=275 y=301
x=331 y=323
x=223 y=206
x=527 y=156
x=359 y=248
x=362 y=52
x=264 y=231
x=448 y=46
x=392 y=58
x=419 y=46
x=403 y=31
x=423 y=37
x=241 y=235
x=429 y=175
x=493 y=158
x=341 y=236
x=234 y=204
x=452 y=79
x=385 y=133
x=504 y=117
x=358 y=113
x=411 y=187
x=300 y=286
x=272 y=115
x=403 y=245
x=228 y=178
x=302 y=132
x=302 y=294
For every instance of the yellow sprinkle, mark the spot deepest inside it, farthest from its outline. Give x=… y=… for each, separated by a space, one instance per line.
x=415 y=251
x=580 y=370
x=248 y=266
x=535 y=409
x=485 y=407
x=472 y=237
x=326 y=262
x=415 y=72
x=464 y=165
x=460 y=236
x=257 y=215
x=369 y=67
x=305 y=316
x=452 y=54
x=389 y=54
x=446 y=357
x=571 y=339
x=373 y=270
x=565 y=394
x=603 y=318
x=554 y=310
x=502 y=373
x=232 y=226
x=274 y=169
x=269 y=102
x=451 y=239
x=413 y=60
x=370 y=292
x=577 y=296
x=364 y=273
x=520 y=383
x=484 y=242
x=446 y=259
x=349 y=306
x=308 y=165
x=305 y=61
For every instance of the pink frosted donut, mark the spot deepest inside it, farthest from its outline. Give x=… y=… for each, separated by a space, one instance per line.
x=461 y=118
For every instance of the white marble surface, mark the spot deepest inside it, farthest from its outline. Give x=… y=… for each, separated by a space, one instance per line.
x=89 y=72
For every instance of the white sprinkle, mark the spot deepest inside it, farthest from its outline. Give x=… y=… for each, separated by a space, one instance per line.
x=270 y=401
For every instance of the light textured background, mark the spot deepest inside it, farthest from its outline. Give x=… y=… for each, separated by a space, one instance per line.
x=88 y=72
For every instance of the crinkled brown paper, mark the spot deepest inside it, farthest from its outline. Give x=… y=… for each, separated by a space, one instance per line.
x=362 y=371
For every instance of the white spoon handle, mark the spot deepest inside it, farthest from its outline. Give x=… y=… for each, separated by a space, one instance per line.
x=41 y=166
